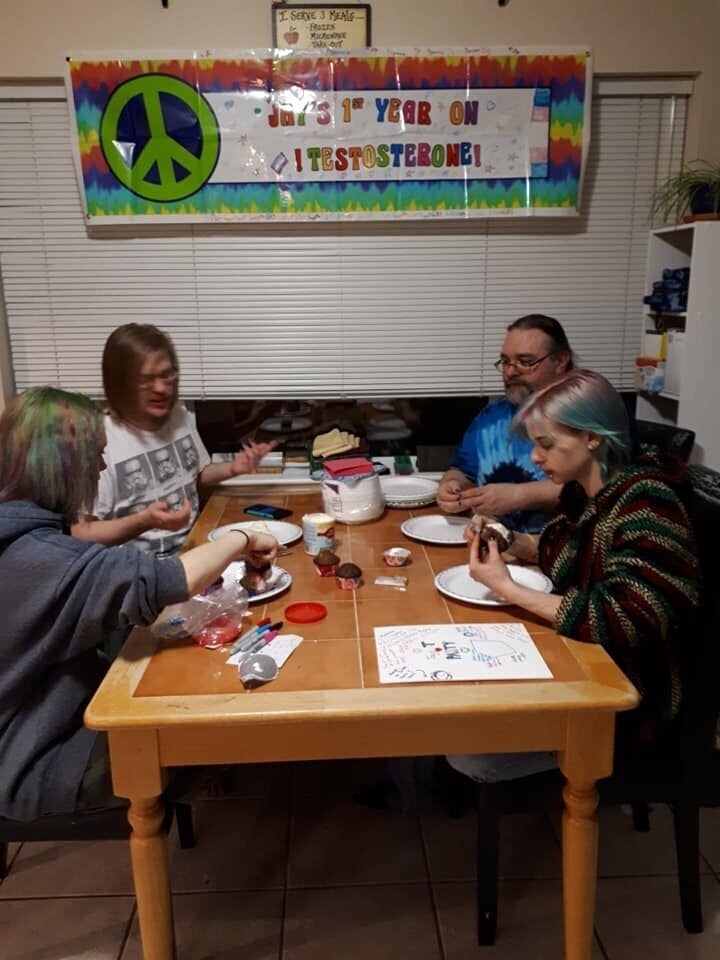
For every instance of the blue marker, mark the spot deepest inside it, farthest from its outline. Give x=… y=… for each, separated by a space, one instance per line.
x=247 y=639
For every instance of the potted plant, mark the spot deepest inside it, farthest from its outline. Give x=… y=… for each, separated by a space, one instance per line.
x=696 y=187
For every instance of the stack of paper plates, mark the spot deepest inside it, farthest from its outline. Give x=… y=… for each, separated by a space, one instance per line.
x=408 y=492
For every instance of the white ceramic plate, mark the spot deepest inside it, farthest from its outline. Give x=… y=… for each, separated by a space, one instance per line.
x=437 y=528
x=387 y=423
x=285 y=424
x=459 y=585
x=279 y=580
x=283 y=532
x=389 y=433
x=408 y=491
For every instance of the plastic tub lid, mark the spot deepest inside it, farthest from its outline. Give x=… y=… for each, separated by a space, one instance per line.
x=306 y=611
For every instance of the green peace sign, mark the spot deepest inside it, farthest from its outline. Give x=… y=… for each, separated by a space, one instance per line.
x=163 y=168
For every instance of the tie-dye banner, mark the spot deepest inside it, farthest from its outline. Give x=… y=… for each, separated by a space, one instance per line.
x=282 y=135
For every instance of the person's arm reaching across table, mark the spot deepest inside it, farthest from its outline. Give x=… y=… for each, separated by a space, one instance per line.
x=205 y=563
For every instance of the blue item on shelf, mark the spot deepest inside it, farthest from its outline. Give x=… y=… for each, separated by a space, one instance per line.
x=669 y=295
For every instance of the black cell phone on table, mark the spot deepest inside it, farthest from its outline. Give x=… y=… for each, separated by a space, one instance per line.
x=267 y=512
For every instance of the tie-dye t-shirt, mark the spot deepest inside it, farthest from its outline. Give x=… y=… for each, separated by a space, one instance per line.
x=490 y=453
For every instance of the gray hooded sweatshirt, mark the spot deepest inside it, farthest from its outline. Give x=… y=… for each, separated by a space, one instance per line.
x=59 y=598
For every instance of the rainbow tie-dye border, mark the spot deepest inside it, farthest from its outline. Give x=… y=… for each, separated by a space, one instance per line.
x=553 y=188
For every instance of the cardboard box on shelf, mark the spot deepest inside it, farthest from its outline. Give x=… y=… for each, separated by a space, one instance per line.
x=673 y=362
x=654 y=344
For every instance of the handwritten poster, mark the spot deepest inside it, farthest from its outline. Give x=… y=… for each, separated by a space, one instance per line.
x=318 y=25
x=298 y=136
x=458 y=651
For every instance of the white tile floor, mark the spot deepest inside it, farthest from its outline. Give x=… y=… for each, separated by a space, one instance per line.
x=288 y=868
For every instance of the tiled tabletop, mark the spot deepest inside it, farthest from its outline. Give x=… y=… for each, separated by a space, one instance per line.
x=338 y=652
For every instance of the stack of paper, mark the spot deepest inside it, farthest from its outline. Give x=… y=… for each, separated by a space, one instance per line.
x=271 y=463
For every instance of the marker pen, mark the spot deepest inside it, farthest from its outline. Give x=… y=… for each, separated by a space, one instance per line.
x=247 y=639
x=262 y=641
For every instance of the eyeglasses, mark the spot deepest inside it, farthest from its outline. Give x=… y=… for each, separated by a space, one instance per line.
x=147 y=380
x=522 y=364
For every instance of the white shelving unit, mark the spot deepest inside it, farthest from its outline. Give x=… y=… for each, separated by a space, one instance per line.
x=697 y=405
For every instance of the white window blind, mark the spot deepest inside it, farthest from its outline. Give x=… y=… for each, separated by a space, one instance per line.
x=321 y=309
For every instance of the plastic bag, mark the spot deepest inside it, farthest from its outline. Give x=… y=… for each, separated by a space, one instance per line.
x=212 y=618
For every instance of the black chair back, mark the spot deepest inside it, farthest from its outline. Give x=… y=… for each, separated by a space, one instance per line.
x=703 y=680
x=674 y=441
x=682 y=771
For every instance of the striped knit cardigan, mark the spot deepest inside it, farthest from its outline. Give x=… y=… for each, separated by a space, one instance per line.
x=626 y=565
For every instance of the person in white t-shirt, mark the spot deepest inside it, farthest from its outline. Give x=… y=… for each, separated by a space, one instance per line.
x=155 y=457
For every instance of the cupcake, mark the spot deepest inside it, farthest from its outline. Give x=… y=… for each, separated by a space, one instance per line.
x=494 y=530
x=326 y=563
x=254 y=582
x=256 y=579
x=349 y=576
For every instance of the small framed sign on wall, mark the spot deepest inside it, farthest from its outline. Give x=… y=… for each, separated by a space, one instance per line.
x=305 y=26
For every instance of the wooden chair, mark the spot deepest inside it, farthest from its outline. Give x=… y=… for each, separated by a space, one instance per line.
x=106 y=824
x=684 y=773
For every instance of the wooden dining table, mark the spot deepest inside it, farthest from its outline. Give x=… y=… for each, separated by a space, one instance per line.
x=173 y=703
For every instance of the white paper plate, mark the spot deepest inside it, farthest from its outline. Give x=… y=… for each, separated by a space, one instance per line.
x=458 y=584
x=283 y=532
x=280 y=580
x=437 y=528
x=408 y=491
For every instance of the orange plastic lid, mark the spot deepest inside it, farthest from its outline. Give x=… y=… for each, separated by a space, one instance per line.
x=306 y=611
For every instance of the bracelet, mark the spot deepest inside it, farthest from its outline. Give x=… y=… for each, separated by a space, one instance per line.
x=244 y=533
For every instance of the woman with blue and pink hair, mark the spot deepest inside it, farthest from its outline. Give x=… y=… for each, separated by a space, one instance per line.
x=620 y=552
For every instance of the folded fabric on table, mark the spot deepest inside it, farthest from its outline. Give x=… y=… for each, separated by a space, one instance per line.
x=349 y=467
x=335 y=441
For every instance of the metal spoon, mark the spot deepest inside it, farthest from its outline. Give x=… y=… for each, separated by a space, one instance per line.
x=258 y=668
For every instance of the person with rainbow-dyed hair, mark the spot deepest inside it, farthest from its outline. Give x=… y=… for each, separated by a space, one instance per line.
x=620 y=553
x=61 y=597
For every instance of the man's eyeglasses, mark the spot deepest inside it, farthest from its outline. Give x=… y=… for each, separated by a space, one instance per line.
x=147 y=380
x=523 y=364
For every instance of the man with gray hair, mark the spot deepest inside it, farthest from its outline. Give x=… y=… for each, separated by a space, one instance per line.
x=492 y=472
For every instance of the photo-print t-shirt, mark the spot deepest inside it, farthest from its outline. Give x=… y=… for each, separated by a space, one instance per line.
x=148 y=465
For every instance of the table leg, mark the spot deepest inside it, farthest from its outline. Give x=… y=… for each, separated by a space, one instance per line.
x=148 y=851
x=580 y=845
x=587 y=757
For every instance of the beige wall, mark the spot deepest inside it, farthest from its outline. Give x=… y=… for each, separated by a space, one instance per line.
x=638 y=37
x=642 y=36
